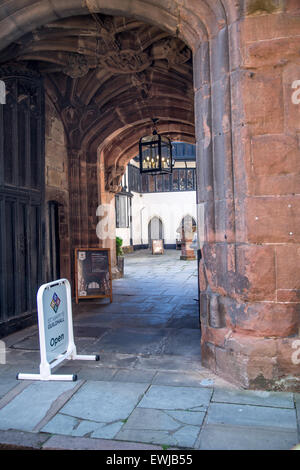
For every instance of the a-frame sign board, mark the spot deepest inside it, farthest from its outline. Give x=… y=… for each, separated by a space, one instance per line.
x=55 y=331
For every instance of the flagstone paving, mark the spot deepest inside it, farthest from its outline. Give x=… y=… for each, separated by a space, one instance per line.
x=149 y=390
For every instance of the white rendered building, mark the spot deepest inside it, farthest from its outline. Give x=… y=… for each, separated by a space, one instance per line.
x=153 y=207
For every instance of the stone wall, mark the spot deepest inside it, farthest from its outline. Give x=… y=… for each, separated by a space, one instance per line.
x=57 y=183
x=250 y=282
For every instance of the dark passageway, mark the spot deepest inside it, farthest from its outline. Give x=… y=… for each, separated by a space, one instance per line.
x=149 y=333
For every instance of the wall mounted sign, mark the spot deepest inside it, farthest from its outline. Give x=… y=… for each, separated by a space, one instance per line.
x=92 y=273
x=56 y=336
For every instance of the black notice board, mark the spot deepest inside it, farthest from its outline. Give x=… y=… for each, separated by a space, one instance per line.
x=93 y=273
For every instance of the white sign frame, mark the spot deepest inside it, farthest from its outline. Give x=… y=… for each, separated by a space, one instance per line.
x=70 y=353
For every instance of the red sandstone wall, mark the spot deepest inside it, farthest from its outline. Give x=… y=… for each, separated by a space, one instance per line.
x=57 y=182
x=251 y=288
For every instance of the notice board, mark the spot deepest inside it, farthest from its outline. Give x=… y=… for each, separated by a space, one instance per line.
x=157 y=247
x=93 y=273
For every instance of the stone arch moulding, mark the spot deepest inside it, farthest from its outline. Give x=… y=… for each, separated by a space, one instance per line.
x=205 y=29
x=155 y=216
x=191 y=21
x=188 y=215
x=243 y=335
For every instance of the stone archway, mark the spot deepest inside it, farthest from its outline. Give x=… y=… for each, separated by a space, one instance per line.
x=155 y=229
x=249 y=298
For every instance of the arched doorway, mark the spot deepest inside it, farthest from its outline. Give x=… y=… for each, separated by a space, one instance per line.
x=188 y=223
x=155 y=230
x=236 y=207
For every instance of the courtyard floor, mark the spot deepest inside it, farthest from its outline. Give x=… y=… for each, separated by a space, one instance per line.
x=149 y=390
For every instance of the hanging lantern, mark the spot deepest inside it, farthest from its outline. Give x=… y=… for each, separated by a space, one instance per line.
x=155 y=152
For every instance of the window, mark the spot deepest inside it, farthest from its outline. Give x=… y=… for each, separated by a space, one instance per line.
x=145 y=183
x=175 y=180
x=181 y=179
x=167 y=179
x=151 y=183
x=159 y=183
x=122 y=219
x=190 y=185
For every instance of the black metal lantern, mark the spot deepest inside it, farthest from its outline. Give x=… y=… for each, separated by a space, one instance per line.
x=155 y=152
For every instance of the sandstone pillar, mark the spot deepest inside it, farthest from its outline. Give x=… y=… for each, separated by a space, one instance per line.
x=248 y=127
x=106 y=227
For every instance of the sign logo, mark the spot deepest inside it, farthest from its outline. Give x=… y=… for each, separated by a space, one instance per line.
x=2 y=92
x=55 y=302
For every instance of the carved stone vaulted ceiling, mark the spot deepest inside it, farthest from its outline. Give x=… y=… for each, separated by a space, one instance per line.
x=108 y=77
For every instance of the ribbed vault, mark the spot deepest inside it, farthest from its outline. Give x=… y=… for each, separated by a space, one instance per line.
x=108 y=77
x=192 y=20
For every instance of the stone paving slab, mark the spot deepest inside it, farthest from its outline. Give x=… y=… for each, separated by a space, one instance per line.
x=4 y=369
x=187 y=321
x=225 y=437
x=182 y=438
x=176 y=398
x=79 y=443
x=138 y=298
x=87 y=372
x=105 y=402
x=87 y=331
x=132 y=341
x=183 y=342
x=120 y=320
x=169 y=363
x=7 y=385
x=12 y=370
x=12 y=393
x=115 y=360
x=254 y=397
x=182 y=380
x=250 y=415
x=22 y=440
x=22 y=358
x=70 y=426
x=179 y=428
x=135 y=376
x=179 y=293
x=30 y=407
x=166 y=420
x=30 y=342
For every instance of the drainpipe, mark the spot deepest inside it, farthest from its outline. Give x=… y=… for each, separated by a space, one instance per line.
x=141 y=216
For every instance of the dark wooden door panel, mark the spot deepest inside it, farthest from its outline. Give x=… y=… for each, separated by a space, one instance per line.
x=21 y=193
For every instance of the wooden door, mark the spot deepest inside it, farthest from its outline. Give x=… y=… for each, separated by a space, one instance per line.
x=21 y=197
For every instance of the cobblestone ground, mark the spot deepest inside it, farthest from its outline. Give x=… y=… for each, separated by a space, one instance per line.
x=149 y=390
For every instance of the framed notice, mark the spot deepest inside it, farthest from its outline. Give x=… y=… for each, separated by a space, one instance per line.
x=157 y=247
x=93 y=273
